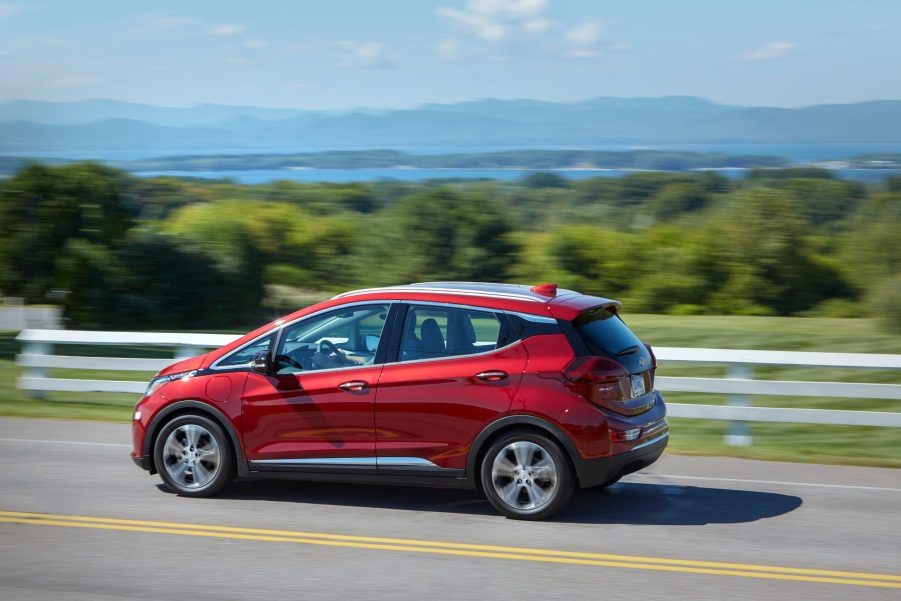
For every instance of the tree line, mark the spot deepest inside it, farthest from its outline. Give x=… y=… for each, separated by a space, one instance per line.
x=124 y=252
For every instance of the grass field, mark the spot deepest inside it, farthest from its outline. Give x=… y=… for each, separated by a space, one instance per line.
x=787 y=442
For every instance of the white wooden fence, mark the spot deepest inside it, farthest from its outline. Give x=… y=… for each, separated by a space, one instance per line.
x=38 y=356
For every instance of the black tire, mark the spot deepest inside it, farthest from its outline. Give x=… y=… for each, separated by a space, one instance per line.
x=536 y=480
x=195 y=463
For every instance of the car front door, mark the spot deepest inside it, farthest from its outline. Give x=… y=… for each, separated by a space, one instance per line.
x=457 y=369
x=315 y=408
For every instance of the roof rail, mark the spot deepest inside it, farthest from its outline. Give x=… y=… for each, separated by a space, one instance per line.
x=408 y=288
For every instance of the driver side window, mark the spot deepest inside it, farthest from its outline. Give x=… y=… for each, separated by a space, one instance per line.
x=340 y=338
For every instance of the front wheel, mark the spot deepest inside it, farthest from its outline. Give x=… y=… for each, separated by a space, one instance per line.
x=527 y=476
x=194 y=457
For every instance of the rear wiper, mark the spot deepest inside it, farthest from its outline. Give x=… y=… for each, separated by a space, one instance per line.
x=627 y=351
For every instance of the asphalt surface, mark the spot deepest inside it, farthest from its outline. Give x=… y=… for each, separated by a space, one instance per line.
x=794 y=531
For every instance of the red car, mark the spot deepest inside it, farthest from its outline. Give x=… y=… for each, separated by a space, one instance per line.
x=523 y=393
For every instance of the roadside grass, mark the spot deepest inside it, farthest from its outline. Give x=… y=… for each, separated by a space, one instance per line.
x=113 y=407
x=784 y=442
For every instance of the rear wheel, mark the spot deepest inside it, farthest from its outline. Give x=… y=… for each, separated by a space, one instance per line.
x=527 y=476
x=194 y=457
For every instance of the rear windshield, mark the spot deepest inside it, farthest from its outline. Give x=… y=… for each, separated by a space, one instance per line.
x=606 y=334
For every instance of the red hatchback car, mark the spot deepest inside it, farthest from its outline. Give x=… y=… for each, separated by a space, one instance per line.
x=523 y=393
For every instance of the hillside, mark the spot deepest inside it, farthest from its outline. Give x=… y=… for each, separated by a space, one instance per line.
x=27 y=126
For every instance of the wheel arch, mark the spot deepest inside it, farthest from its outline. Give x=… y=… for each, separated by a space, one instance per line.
x=188 y=407
x=513 y=422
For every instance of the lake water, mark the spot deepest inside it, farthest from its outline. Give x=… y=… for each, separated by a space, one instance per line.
x=796 y=153
x=799 y=153
x=261 y=176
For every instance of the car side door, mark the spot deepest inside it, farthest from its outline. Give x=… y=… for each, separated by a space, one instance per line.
x=314 y=409
x=455 y=370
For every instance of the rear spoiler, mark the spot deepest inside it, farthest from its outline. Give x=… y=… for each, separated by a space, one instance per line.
x=570 y=306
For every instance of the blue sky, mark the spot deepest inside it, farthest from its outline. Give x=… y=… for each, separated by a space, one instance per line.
x=398 y=53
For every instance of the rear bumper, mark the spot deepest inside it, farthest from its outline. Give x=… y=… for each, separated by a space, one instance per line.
x=594 y=472
x=142 y=461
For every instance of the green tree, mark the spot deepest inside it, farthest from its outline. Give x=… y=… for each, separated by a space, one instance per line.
x=870 y=249
x=439 y=235
x=769 y=267
x=675 y=200
x=587 y=258
x=885 y=303
x=42 y=208
x=150 y=279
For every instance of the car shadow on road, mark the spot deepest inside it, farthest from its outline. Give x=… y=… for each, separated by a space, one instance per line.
x=674 y=505
x=622 y=503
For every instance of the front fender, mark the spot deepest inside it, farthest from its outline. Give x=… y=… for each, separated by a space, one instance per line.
x=200 y=407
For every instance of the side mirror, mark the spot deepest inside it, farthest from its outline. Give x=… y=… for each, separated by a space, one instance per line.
x=260 y=363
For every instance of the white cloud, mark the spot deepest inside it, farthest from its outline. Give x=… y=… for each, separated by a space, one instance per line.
x=497 y=20
x=225 y=30
x=237 y=61
x=485 y=28
x=255 y=44
x=453 y=50
x=505 y=29
x=586 y=33
x=767 y=52
x=449 y=49
x=536 y=25
x=369 y=55
x=586 y=40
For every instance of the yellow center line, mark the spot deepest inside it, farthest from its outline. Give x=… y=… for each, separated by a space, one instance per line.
x=478 y=547
x=460 y=549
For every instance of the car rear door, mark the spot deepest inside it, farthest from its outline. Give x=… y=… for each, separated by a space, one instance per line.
x=455 y=369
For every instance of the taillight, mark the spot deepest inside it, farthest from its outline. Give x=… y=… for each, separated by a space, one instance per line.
x=652 y=373
x=653 y=356
x=624 y=435
x=600 y=380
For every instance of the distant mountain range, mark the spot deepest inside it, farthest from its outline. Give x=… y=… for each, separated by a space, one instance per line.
x=104 y=125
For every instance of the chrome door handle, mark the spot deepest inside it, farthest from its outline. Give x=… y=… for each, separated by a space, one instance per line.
x=354 y=386
x=492 y=376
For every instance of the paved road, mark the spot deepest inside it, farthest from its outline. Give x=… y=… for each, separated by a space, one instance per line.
x=795 y=532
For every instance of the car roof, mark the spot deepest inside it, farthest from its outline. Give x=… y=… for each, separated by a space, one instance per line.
x=483 y=289
x=548 y=301
x=545 y=299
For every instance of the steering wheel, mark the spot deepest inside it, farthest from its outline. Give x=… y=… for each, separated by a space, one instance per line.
x=328 y=348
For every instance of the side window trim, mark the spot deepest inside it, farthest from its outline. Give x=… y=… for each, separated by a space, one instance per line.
x=279 y=331
x=499 y=314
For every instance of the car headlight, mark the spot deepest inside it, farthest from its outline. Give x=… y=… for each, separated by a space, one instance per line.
x=156 y=383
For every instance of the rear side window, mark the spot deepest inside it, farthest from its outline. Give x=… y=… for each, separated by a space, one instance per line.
x=606 y=334
x=431 y=332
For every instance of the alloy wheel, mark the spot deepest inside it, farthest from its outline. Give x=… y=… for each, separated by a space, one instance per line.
x=191 y=456
x=524 y=475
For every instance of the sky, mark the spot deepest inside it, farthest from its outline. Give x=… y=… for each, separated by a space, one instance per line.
x=339 y=54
